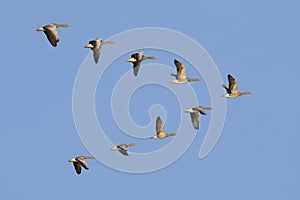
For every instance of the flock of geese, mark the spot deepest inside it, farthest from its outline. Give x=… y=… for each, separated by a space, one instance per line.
x=136 y=59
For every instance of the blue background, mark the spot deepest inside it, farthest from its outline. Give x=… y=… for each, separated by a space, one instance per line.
x=257 y=156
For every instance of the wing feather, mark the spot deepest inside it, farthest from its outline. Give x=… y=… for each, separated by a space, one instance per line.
x=195 y=119
x=233 y=84
x=52 y=35
x=82 y=162
x=77 y=167
x=159 y=125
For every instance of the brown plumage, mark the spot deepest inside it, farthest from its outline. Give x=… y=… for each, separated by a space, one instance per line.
x=181 y=77
x=80 y=161
x=136 y=59
x=122 y=148
x=96 y=45
x=51 y=32
x=160 y=130
x=232 y=89
x=194 y=112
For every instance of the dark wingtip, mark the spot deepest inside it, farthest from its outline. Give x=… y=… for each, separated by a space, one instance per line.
x=229 y=75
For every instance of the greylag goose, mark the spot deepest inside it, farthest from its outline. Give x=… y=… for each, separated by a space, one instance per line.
x=122 y=148
x=51 y=32
x=160 y=130
x=181 y=77
x=95 y=45
x=79 y=162
x=136 y=59
x=194 y=112
x=232 y=89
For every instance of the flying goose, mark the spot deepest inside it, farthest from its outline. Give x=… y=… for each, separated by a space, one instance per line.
x=181 y=77
x=95 y=45
x=160 y=131
x=79 y=162
x=136 y=59
x=194 y=112
x=122 y=148
x=51 y=32
x=232 y=89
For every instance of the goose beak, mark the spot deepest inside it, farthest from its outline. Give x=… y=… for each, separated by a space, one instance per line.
x=188 y=110
x=39 y=29
x=130 y=60
x=89 y=46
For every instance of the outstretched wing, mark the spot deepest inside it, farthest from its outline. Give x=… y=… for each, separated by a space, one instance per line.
x=181 y=70
x=195 y=119
x=226 y=88
x=52 y=35
x=136 y=67
x=123 y=151
x=82 y=162
x=200 y=109
x=159 y=125
x=96 y=52
x=77 y=167
x=233 y=84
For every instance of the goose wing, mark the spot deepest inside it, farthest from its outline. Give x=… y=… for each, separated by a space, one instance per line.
x=77 y=167
x=226 y=88
x=52 y=35
x=123 y=151
x=96 y=49
x=82 y=162
x=233 y=84
x=181 y=70
x=159 y=125
x=136 y=67
x=195 y=119
x=96 y=53
x=200 y=109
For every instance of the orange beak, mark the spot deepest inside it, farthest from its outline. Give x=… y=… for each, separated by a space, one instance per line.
x=89 y=46
x=131 y=60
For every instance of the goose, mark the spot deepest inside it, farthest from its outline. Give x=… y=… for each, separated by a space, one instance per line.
x=136 y=59
x=95 y=45
x=122 y=148
x=51 y=32
x=194 y=112
x=160 y=131
x=181 y=77
x=232 y=89
x=79 y=162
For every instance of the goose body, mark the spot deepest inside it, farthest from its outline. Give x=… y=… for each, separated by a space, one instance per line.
x=180 y=76
x=96 y=45
x=122 y=148
x=51 y=32
x=232 y=88
x=79 y=162
x=136 y=59
x=194 y=112
x=160 y=130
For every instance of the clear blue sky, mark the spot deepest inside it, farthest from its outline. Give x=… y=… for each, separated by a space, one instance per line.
x=257 y=156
